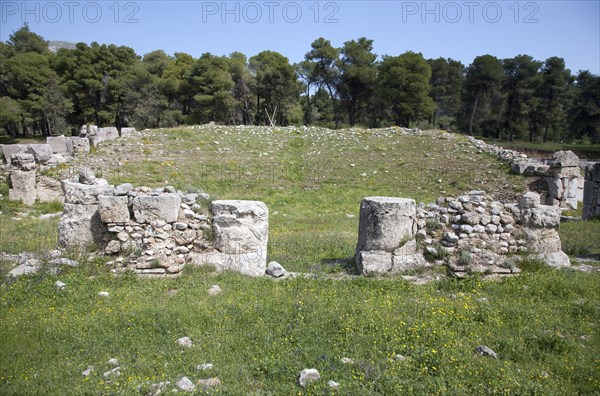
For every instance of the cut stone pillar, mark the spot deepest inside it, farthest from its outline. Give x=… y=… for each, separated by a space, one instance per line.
x=241 y=234
x=386 y=233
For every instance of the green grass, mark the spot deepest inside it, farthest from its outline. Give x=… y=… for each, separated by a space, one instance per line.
x=311 y=179
x=581 y=238
x=260 y=333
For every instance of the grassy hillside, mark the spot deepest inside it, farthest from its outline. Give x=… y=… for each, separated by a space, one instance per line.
x=260 y=333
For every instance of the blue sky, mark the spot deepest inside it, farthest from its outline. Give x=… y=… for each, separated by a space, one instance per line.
x=460 y=30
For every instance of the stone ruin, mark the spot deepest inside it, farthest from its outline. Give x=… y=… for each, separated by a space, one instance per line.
x=561 y=174
x=158 y=232
x=27 y=162
x=591 y=192
x=27 y=185
x=469 y=234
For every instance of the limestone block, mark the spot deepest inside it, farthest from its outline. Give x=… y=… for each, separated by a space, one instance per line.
x=9 y=149
x=85 y=194
x=529 y=200
x=374 y=262
x=23 y=186
x=80 y=234
x=251 y=263
x=147 y=208
x=60 y=145
x=42 y=152
x=81 y=145
x=22 y=161
x=49 y=189
x=385 y=222
x=241 y=227
x=113 y=209
x=127 y=131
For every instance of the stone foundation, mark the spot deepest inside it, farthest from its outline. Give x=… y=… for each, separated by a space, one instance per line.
x=469 y=234
x=158 y=232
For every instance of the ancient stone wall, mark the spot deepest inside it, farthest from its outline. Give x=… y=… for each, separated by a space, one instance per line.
x=469 y=234
x=591 y=191
x=57 y=150
x=157 y=232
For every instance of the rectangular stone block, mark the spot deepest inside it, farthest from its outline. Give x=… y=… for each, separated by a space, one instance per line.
x=10 y=149
x=23 y=186
x=81 y=145
x=251 y=264
x=374 y=262
x=84 y=194
x=147 y=208
x=127 y=131
x=113 y=209
x=240 y=226
x=60 y=145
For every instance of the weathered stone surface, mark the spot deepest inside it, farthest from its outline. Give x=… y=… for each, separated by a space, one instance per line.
x=80 y=234
x=486 y=351
x=241 y=227
x=81 y=145
x=9 y=149
x=41 y=152
x=88 y=130
x=49 y=189
x=275 y=269
x=123 y=189
x=113 y=209
x=147 y=208
x=385 y=223
x=591 y=191
x=251 y=264
x=373 y=262
x=529 y=200
x=113 y=247
x=60 y=145
x=22 y=161
x=23 y=186
x=186 y=385
x=563 y=159
x=308 y=376
x=85 y=194
x=127 y=131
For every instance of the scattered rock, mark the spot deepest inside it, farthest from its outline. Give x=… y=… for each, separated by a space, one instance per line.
x=113 y=362
x=485 y=351
x=88 y=371
x=347 y=360
x=209 y=383
x=333 y=385
x=115 y=372
x=275 y=269
x=103 y=294
x=205 y=366
x=185 y=342
x=308 y=376
x=214 y=290
x=185 y=384
x=60 y=285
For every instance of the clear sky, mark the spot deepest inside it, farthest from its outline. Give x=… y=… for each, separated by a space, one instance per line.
x=460 y=30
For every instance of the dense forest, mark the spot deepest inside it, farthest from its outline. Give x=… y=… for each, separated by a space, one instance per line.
x=45 y=93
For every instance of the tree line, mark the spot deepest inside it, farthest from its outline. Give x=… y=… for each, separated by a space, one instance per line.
x=47 y=93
